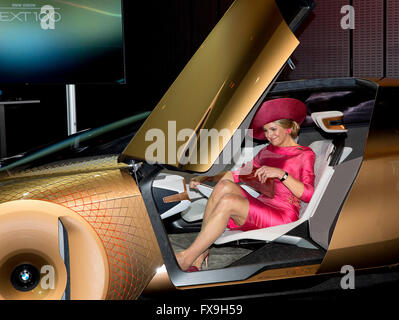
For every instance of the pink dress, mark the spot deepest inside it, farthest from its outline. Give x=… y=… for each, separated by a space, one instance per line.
x=284 y=207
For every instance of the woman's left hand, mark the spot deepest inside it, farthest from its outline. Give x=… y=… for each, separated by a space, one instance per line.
x=265 y=172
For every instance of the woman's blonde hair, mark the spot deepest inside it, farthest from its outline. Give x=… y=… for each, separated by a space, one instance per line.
x=289 y=124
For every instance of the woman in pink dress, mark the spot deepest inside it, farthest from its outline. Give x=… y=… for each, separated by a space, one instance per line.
x=289 y=164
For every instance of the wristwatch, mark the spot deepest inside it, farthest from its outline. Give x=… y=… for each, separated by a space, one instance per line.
x=285 y=176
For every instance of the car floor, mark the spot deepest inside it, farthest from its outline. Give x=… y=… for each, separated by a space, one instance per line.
x=219 y=257
x=271 y=255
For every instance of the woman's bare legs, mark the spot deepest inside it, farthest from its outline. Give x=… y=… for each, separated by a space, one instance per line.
x=218 y=192
x=225 y=202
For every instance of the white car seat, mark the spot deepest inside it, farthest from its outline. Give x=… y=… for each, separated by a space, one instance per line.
x=175 y=185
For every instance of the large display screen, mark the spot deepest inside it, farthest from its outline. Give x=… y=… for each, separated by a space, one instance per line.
x=57 y=41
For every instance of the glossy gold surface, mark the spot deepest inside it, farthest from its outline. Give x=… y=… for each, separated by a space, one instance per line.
x=268 y=275
x=367 y=230
x=388 y=82
x=329 y=126
x=217 y=88
x=102 y=193
x=29 y=235
x=161 y=283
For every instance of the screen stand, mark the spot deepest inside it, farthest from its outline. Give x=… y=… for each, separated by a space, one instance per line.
x=71 y=108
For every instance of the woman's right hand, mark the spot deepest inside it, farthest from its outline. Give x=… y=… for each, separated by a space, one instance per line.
x=194 y=182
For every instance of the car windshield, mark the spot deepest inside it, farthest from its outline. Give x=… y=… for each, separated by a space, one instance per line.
x=108 y=139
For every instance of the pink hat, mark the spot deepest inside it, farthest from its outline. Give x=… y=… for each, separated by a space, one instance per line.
x=276 y=109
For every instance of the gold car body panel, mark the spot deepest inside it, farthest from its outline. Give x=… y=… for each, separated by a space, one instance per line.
x=161 y=283
x=29 y=233
x=102 y=193
x=367 y=230
x=217 y=88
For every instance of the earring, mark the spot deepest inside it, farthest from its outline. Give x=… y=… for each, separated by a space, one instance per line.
x=289 y=131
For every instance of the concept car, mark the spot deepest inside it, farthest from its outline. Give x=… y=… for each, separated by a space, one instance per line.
x=101 y=215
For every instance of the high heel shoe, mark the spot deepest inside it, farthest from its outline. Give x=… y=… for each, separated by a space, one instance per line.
x=206 y=259
x=196 y=269
x=193 y=269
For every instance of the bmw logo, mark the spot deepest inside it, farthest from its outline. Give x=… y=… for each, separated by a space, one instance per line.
x=25 y=277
